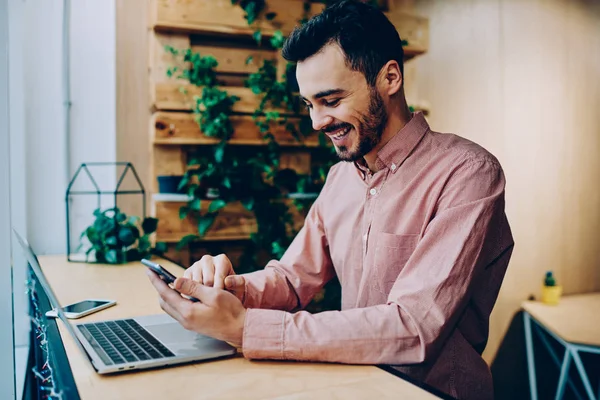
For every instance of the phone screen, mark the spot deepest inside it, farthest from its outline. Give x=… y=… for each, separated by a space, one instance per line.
x=83 y=306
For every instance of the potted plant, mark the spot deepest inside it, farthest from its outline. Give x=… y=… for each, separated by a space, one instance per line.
x=116 y=238
x=170 y=184
x=551 y=292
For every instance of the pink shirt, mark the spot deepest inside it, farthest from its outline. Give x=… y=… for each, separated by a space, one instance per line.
x=420 y=248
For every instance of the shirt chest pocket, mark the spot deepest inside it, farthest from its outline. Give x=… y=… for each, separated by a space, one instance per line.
x=391 y=254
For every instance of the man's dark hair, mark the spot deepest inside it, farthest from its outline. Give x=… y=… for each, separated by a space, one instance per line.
x=367 y=38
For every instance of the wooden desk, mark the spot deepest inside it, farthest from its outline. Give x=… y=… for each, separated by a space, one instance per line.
x=574 y=324
x=233 y=378
x=574 y=319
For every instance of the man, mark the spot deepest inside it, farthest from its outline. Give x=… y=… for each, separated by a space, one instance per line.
x=411 y=221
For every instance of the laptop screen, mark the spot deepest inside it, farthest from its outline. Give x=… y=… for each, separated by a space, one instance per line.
x=37 y=270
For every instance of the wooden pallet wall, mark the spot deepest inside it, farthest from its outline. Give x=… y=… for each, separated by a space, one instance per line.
x=156 y=128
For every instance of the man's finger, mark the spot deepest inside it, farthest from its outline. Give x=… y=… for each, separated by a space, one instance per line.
x=194 y=289
x=223 y=268
x=208 y=272
x=234 y=282
x=164 y=291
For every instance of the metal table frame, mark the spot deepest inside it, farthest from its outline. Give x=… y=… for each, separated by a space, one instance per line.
x=572 y=351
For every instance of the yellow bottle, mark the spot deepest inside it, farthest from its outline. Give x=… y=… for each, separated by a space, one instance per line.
x=551 y=292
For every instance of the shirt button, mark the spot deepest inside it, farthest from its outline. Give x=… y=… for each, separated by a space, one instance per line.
x=393 y=167
x=373 y=192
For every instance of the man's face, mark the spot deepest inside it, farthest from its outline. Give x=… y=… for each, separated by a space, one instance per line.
x=341 y=103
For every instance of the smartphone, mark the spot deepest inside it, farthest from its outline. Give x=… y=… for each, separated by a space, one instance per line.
x=83 y=308
x=163 y=274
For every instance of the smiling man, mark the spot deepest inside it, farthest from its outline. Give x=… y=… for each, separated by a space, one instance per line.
x=411 y=221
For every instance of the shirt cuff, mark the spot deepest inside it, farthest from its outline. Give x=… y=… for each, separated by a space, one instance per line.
x=264 y=334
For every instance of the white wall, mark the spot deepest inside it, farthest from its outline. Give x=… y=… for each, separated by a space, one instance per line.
x=522 y=78
x=7 y=363
x=47 y=156
x=44 y=154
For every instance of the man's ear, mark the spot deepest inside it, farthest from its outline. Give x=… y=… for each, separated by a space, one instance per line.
x=390 y=78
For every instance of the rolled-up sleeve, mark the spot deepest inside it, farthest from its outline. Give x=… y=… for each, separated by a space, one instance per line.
x=464 y=237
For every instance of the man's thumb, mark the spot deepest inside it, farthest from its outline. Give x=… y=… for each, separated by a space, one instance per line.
x=234 y=282
x=188 y=287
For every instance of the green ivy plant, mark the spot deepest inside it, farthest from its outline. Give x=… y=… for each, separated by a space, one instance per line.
x=116 y=238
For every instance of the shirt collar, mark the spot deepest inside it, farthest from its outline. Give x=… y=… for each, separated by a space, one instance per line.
x=393 y=154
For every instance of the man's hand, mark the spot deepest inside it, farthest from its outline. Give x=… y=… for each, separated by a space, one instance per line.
x=219 y=314
x=217 y=272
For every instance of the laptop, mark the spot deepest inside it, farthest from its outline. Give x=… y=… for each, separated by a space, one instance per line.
x=134 y=343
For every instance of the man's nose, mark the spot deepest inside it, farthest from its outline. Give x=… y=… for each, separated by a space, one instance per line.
x=320 y=120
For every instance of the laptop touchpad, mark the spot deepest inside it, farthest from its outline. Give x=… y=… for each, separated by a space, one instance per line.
x=173 y=333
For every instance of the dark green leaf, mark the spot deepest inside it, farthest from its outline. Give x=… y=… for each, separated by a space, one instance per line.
x=277 y=40
x=219 y=152
x=111 y=257
x=133 y=255
x=126 y=236
x=270 y=16
x=144 y=243
x=121 y=217
x=149 y=225
x=216 y=205
x=183 y=212
x=160 y=247
x=205 y=222
x=249 y=60
x=187 y=239
x=133 y=220
x=257 y=36
x=111 y=240
x=248 y=203
x=195 y=204
x=227 y=182
x=182 y=184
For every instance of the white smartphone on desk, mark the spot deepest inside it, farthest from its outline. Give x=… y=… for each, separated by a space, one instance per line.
x=83 y=308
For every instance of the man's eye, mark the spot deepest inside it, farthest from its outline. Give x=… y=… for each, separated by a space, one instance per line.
x=307 y=106
x=331 y=103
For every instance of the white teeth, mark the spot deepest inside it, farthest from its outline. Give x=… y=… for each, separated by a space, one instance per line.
x=344 y=132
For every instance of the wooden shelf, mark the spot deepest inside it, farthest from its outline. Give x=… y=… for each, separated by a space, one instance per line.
x=233 y=222
x=221 y=17
x=176 y=128
x=179 y=96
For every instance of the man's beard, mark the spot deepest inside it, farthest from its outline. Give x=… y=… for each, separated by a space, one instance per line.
x=370 y=130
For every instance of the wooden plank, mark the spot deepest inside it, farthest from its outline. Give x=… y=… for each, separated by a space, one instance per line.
x=168 y=161
x=169 y=96
x=233 y=222
x=233 y=59
x=220 y=16
x=572 y=319
x=412 y=28
x=132 y=93
x=298 y=160
x=176 y=128
x=160 y=59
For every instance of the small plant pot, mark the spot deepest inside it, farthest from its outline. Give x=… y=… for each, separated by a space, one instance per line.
x=551 y=294
x=169 y=184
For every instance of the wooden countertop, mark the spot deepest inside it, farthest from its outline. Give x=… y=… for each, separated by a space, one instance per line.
x=233 y=378
x=575 y=319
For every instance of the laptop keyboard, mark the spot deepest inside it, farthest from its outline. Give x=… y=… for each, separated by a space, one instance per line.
x=123 y=341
